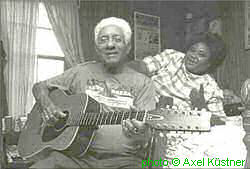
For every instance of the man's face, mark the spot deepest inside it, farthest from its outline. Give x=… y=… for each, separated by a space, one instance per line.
x=197 y=59
x=111 y=45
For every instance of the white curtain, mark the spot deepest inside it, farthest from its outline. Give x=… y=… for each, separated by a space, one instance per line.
x=64 y=18
x=18 y=30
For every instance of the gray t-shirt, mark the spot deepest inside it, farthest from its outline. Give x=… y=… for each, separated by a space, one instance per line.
x=128 y=87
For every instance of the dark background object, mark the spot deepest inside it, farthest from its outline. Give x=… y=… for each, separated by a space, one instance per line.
x=234 y=109
x=164 y=101
x=3 y=107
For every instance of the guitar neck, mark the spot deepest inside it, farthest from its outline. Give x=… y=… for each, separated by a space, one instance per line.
x=105 y=118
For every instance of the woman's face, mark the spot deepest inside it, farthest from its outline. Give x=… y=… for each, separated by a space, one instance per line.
x=197 y=59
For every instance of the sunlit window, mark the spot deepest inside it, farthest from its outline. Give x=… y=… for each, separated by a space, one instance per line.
x=50 y=58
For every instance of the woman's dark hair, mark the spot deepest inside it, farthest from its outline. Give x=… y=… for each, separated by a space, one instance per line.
x=216 y=46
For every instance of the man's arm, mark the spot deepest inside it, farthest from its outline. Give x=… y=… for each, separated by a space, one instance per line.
x=41 y=90
x=145 y=100
x=51 y=113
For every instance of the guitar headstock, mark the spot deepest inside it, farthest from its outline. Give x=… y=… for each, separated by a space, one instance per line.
x=179 y=120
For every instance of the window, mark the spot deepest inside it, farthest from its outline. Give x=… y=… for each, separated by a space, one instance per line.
x=50 y=58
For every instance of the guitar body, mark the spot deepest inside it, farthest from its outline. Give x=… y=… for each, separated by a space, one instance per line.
x=36 y=136
x=84 y=111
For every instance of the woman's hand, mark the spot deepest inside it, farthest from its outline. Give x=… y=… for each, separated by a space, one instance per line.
x=197 y=98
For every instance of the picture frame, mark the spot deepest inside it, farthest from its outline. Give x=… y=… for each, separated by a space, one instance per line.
x=146 y=35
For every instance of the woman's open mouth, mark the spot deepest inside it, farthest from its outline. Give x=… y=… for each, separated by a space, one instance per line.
x=192 y=61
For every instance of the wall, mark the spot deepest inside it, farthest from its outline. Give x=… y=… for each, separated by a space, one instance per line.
x=171 y=14
x=235 y=69
x=173 y=27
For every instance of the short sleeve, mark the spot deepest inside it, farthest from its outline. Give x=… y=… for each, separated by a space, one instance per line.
x=155 y=63
x=63 y=81
x=146 y=97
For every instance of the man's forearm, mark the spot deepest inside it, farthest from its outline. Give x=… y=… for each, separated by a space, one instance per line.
x=41 y=93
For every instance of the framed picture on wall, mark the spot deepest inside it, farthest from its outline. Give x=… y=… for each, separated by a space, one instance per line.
x=247 y=24
x=146 y=35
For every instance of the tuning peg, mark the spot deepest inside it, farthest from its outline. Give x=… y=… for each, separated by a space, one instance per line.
x=162 y=109
x=159 y=126
x=174 y=107
x=165 y=126
x=161 y=134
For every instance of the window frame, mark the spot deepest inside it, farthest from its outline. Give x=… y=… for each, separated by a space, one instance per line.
x=45 y=56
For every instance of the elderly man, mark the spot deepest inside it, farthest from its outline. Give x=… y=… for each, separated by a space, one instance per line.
x=186 y=79
x=116 y=146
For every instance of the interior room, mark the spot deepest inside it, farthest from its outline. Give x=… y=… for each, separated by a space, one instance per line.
x=41 y=39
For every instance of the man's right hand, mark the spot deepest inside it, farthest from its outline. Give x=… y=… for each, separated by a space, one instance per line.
x=51 y=114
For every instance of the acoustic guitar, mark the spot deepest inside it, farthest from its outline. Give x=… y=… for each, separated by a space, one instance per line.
x=83 y=114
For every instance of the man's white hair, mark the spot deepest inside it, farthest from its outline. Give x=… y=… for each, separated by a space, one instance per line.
x=119 y=22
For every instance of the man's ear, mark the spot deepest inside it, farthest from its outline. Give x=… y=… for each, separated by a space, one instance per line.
x=98 y=57
x=128 y=48
x=97 y=50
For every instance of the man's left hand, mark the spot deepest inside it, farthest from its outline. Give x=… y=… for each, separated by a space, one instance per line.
x=136 y=130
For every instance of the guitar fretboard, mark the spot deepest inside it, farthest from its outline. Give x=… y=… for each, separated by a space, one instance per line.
x=105 y=118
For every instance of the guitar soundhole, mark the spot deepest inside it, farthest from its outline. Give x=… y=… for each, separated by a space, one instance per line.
x=51 y=132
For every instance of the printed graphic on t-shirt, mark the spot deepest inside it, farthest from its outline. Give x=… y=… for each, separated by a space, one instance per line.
x=110 y=93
